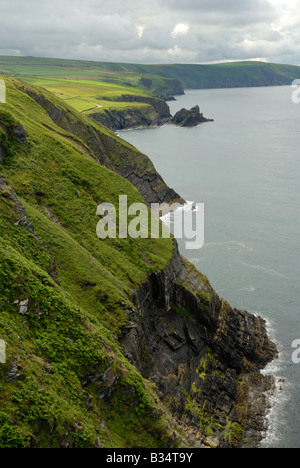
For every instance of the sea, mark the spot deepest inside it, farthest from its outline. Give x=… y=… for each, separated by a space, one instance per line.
x=245 y=168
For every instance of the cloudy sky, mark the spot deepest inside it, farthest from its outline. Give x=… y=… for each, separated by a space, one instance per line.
x=154 y=31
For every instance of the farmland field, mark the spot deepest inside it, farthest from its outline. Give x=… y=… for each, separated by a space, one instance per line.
x=87 y=86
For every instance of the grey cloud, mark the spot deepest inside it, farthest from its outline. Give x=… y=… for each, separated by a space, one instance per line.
x=107 y=30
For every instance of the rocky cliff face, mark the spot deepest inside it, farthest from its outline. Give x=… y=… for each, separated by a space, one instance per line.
x=110 y=151
x=189 y=118
x=121 y=343
x=204 y=356
x=116 y=119
x=154 y=113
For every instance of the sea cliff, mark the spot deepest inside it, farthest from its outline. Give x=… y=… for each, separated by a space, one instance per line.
x=111 y=343
x=154 y=112
x=204 y=356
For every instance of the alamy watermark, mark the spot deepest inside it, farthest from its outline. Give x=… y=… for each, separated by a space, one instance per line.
x=296 y=92
x=2 y=352
x=296 y=353
x=2 y=92
x=136 y=221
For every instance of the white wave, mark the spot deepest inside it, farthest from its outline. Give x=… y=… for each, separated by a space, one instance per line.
x=250 y=289
x=239 y=244
x=269 y=271
x=188 y=206
x=277 y=398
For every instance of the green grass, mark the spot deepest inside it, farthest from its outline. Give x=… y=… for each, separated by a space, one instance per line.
x=71 y=328
x=72 y=187
x=87 y=85
x=84 y=83
x=228 y=75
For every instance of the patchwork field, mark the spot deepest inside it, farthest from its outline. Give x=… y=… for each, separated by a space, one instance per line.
x=87 y=86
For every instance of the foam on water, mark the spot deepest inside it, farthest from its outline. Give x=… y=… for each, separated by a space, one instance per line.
x=168 y=218
x=278 y=398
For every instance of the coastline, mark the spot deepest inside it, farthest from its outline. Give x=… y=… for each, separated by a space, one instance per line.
x=174 y=317
x=261 y=384
x=265 y=394
x=223 y=355
x=277 y=397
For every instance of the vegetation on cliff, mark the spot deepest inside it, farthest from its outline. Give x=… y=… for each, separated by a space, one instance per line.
x=118 y=98
x=121 y=95
x=62 y=343
x=69 y=301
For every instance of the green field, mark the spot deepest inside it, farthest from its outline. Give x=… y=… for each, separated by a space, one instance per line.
x=68 y=380
x=98 y=86
x=87 y=86
x=105 y=89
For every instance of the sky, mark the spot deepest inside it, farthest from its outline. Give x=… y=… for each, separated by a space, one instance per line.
x=156 y=31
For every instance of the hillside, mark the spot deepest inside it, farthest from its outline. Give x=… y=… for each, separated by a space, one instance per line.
x=129 y=95
x=158 y=79
x=225 y=75
x=116 y=98
x=90 y=324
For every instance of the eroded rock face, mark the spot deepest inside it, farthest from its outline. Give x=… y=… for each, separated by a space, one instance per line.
x=133 y=166
x=118 y=119
x=8 y=193
x=204 y=356
x=189 y=118
x=3 y=154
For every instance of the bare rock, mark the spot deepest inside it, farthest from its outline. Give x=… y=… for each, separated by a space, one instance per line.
x=13 y=373
x=212 y=442
x=189 y=118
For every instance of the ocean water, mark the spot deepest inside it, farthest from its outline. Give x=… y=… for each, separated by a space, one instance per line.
x=245 y=168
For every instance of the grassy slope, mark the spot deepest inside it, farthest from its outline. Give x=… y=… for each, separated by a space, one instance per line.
x=237 y=74
x=70 y=328
x=86 y=85
x=234 y=74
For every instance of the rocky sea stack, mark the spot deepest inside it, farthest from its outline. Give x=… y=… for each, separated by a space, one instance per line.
x=189 y=118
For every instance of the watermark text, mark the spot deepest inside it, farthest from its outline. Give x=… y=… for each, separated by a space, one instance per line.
x=296 y=353
x=296 y=92
x=2 y=92
x=136 y=221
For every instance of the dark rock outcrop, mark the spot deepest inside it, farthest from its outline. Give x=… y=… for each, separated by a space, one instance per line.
x=3 y=154
x=8 y=193
x=159 y=105
x=118 y=119
x=204 y=356
x=189 y=118
x=14 y=372
x=10 y=132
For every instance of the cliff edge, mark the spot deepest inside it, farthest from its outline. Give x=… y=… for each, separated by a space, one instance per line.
x=114 y=342
x=204 y=356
